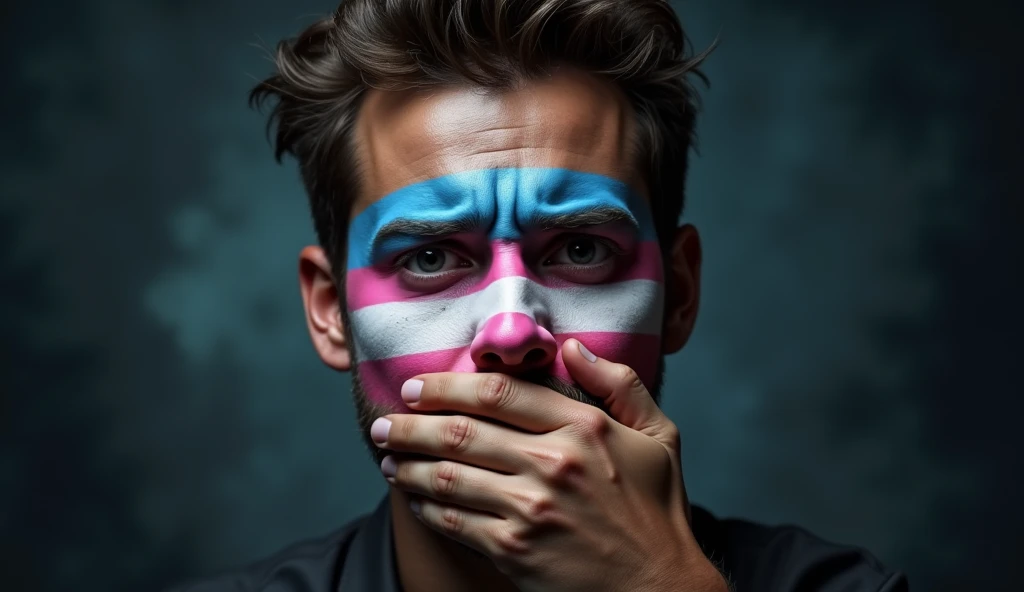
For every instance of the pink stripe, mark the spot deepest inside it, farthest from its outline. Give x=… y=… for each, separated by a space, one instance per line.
x=382 y=379
x=367 y=286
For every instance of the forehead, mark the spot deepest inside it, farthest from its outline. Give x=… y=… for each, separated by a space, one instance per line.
x=569 y=120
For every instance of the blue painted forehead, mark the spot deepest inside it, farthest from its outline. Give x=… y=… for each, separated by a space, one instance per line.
x=502 y=201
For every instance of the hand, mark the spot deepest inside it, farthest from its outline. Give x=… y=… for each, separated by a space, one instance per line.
x=561 y=497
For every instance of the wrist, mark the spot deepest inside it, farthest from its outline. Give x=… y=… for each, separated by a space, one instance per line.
x=694 y=573
x=703 y=576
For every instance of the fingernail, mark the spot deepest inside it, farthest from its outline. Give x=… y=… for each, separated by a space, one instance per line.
x=379 y=430
x=587 y=353
x=388 y=467
x=414 y=505
x=411 y=390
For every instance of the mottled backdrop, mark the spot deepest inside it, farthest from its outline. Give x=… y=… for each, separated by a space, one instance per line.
x=854 y=368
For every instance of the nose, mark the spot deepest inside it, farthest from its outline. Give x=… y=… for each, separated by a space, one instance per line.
x=512 y=342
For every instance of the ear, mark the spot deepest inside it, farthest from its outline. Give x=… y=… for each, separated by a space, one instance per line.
x=682 y=289
x=323 y=309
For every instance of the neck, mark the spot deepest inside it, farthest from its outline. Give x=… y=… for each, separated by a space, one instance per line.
x=430 y=561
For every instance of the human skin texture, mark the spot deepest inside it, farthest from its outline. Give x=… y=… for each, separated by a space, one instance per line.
x=540 y=255
x=484 y=178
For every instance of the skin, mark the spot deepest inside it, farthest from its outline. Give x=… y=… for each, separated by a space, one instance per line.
x=562 y=496
x=526 y=258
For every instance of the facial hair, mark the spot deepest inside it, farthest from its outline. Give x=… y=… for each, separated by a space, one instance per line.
x=367 y=411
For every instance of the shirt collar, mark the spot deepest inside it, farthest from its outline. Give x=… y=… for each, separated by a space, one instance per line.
x=370 y=564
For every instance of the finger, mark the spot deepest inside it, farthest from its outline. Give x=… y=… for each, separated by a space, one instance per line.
x=624 y=394
x=454 y=437
x=477 y=530
x=453 y=483
x=518 y=403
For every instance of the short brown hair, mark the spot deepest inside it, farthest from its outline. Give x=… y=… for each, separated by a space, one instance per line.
x=323 y=73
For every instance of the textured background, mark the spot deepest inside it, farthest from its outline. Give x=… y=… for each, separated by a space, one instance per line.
x=852 y=371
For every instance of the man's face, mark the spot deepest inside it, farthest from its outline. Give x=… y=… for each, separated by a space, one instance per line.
x=490 y=228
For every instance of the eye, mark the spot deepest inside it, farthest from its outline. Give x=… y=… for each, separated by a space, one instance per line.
x=581 y=251
x=433 y=260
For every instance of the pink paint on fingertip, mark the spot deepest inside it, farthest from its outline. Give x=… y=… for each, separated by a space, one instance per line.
x=380 y=429
x=586 y=352
x=411 y=390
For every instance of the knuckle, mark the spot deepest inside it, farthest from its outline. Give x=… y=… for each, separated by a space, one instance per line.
x=560 y=466
x=594 y=423
x=452 y=521
x=510 y=546
x=537 y=508
x=495 y=391
x=627 y=376
x=457 y=433
x=445 y=480
x=512 y=553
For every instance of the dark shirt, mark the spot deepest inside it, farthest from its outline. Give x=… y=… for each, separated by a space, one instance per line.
x=360 y=557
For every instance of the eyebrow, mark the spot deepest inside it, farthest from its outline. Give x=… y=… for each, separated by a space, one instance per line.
x=404 y=228
x=588 y=217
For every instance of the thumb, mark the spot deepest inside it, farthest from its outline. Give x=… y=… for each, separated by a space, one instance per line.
x=624 y=394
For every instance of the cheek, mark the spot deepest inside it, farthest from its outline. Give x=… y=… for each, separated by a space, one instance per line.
x=384 y=326
x=639 y=352
x=629 y=331
x=366 y=287
x=395 y=338
x=382 y=380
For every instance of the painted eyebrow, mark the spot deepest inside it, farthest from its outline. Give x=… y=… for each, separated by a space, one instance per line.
x=588 y=217
x=404 y=227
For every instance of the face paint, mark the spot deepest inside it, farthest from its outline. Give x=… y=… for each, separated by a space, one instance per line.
x=508 y=309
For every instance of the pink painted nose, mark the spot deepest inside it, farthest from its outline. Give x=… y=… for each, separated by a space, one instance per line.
x=512 y=342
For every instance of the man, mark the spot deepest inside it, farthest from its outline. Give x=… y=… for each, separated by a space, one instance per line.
x=496 y=186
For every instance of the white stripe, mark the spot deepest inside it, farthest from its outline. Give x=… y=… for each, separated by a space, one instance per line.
x=401 y=328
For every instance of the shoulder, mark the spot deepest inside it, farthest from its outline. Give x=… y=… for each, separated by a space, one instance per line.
x=310 y=565
x=756 y=557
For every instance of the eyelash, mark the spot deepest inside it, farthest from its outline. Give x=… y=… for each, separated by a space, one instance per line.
x=581 y=273
x=399 y=263
x=616 y=250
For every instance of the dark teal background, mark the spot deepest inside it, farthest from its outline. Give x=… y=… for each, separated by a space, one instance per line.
x=855 y=367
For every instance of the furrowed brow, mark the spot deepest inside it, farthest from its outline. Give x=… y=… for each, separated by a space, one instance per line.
x=404 y=229
x=587 y=217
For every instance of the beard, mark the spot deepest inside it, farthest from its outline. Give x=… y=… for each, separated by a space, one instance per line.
x=367 y=411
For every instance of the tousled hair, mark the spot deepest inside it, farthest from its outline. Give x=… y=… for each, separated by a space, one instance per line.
x=323 y=73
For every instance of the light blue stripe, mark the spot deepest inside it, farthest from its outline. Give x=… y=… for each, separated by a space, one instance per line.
x=503 y=202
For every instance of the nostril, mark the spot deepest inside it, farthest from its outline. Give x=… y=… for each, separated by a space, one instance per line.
x=535 y=355
x=512 y=341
